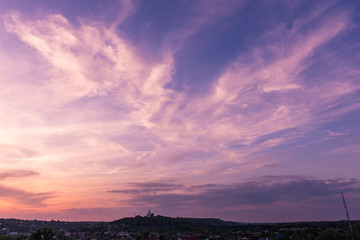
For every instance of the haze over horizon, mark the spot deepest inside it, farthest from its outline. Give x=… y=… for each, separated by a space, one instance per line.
x=240 y=110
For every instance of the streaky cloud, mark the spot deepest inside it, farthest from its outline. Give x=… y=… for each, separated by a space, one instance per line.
x=17 y=174
x=24 y=197
x=269 y=190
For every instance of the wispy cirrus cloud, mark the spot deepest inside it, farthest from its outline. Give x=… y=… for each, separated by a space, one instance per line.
x=333 y=134
x=81 y=100
x=106 y=70
x=203 y=15
x=259 y=96
x=92 y=62
x=128 y=8
x=349 y=149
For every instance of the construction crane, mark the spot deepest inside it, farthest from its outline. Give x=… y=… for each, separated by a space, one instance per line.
x=347 y=215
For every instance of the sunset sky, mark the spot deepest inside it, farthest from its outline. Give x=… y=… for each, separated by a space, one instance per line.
x=239 y=110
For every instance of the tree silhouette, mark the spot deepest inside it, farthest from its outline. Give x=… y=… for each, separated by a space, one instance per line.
x=43 y=234
x=356 y=229
x=331 y=234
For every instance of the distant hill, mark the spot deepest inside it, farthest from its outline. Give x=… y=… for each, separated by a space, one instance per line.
x=161 y=221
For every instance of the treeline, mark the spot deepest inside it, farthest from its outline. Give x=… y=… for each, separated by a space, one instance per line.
x=169 y=221
x=168 y=228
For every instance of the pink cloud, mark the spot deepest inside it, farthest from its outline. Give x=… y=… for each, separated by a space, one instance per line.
x=205 y=14
x=96 y=109
x=333 y=134
x=128 y=8
x=17 y=174
x=24 y=197
x=354 y=148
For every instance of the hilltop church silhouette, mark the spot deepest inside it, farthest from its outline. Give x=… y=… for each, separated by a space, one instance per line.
x=149 y=214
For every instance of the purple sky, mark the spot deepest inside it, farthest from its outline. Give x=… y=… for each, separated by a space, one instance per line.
x=239 y=110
